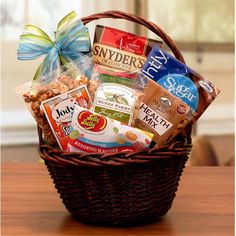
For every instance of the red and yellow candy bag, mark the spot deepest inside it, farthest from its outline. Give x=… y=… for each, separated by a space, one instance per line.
x=59 y=110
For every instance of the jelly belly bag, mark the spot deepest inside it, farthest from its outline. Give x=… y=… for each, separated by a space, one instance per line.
x=119 y=49
x=92 y=132
x=180 y=80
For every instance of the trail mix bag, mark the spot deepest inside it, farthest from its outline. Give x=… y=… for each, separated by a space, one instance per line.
x=162 y=113
x=119 y=49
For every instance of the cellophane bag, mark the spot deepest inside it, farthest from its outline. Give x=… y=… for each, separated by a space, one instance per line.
x=66 y=78
x=116 y=94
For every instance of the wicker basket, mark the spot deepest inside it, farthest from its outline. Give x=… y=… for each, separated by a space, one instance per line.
x=120 y=188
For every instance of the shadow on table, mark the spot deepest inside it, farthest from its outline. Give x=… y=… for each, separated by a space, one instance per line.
x=72 y=225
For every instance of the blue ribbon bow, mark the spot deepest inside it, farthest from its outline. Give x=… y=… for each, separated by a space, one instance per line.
x=71 y=40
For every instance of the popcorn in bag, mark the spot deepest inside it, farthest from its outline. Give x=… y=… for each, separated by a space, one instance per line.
x=54 y=84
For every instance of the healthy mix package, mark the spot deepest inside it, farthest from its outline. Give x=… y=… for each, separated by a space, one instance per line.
x=112 y=117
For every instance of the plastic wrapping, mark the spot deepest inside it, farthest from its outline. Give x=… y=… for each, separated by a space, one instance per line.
x=92 y=132
x=117 y=94
x=180 y=80
x=68 y=77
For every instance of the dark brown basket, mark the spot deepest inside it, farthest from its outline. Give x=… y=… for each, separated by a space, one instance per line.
x=120 y=188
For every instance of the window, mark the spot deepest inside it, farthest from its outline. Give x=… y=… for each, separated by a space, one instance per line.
x=195 y=20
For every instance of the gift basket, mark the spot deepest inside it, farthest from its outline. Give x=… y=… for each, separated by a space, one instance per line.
x=130 y=185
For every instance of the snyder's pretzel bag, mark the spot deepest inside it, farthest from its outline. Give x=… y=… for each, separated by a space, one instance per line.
x=180 y=80
x=92 y=132
x=119 y=49
x=162 y=113
x=55 y=83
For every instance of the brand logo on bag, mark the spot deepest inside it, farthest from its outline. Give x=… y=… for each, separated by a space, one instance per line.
x=165 y=102
x=62 y=112
x=182 y=87
x=92 y=122
x=120 y=59
x=154 y=64
x=205 y=85
x=181 y=109
x=63 y=130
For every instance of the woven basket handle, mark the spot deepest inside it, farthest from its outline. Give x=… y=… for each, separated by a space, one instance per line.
x=137 y=19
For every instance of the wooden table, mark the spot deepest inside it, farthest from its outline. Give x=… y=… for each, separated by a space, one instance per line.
x=30 y=205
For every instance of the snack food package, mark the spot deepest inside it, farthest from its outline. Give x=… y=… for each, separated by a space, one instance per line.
x=162 y=113
x=59 y=110
x=180 y=80
x=117 y=95
x=54 y=84
x=92 y=132
x=119 y=49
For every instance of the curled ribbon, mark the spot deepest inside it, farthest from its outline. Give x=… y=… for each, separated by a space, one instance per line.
x=71 y=40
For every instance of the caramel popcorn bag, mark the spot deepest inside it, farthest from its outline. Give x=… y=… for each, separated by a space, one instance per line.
x=50 y=90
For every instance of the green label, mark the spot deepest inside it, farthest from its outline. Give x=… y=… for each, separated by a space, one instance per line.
x=116 y=79
x=115 y=101
x=116 y=115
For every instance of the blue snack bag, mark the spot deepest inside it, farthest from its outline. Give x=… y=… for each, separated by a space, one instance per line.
x=179 y=80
